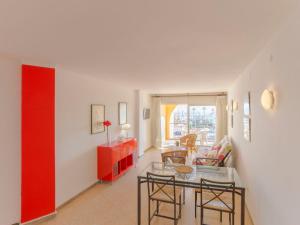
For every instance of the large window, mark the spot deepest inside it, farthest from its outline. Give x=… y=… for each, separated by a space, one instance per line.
x=191 y=119
x=202 y=121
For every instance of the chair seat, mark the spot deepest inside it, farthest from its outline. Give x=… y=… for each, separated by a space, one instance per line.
x=207 y=194
x=162 y=195
x=218 y=205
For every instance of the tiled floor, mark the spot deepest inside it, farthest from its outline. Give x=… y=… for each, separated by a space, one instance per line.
x=116 y=204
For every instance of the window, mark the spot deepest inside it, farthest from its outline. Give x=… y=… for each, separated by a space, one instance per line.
x=183 y=119
x=202 y=121
x=178 y=124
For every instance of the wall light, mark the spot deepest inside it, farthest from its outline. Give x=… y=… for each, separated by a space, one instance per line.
x=235 y=105
x=125 y=126
x=267 y=99
x=124 y=129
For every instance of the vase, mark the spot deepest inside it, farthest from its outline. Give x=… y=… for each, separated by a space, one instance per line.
x=108 y=136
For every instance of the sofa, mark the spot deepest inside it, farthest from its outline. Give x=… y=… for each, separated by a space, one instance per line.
x=217 y=155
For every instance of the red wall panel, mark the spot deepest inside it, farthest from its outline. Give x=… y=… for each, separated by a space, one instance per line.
x=38 y=142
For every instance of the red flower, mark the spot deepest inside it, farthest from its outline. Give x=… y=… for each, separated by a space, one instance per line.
x=106 y=123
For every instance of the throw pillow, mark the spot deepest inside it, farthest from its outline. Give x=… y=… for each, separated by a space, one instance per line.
x=212 y=154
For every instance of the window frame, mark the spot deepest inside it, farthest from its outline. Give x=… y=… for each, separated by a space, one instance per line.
x=188 y=120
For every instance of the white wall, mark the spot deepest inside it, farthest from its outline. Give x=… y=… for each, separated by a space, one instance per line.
x=10 y=141
x=145 y=129
x=76 y=161
x=269 y=165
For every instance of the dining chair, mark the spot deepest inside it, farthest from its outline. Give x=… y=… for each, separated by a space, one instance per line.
x=218 y=199
x=162 y=189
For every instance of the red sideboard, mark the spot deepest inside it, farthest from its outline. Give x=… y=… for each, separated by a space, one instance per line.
x=115 y=159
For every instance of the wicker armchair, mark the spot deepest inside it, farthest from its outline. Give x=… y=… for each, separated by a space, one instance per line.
x=174 y=156
x=189 y=141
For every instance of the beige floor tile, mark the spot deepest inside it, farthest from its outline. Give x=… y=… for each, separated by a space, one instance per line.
x=116 y=204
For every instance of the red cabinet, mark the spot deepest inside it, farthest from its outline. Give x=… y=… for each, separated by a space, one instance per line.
x=115 y=159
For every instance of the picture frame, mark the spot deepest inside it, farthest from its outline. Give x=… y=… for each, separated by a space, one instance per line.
x=247 y=106
x=247 y=117
x=146 y=113
x=247 y=128
x=122 y=113
x=97 y=118
x=231 y=114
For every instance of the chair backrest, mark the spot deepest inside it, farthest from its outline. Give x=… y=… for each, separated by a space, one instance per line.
x=189 y=140
x=183 y=139
x=192 y=140
x=178 y=160
x=215 y=191
x=174 y=156
x=157 y=183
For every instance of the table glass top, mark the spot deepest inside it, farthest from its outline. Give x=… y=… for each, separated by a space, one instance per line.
x=222 y=174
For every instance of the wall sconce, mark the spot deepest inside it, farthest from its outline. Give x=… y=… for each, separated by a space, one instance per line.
x=235 y=106
x=125 y=127
x=267 y=99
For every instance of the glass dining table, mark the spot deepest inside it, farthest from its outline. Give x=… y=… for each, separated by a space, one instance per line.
x=192 y=180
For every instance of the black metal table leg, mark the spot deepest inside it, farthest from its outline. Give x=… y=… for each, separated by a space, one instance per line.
x=243 y=207
x=184 y=195
x=139 y=202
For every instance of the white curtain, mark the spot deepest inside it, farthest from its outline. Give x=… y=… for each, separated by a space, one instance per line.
x=156 y=129
x=221 y=129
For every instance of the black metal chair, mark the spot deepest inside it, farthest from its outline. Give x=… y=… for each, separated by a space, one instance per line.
x=161 y=189
x=217 y=196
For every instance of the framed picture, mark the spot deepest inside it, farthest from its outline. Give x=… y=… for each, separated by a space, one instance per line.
x=231 y=113
x=247 y=108
x=146 y=113
x=97 y=118
x=247 y=117
x=122 y=113
x=247 y=128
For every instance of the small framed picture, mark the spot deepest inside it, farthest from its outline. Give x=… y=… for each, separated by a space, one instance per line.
x=231 y=114
x=97 y=118
x=247 y=128
x=146 y=113
x=247 y=117
x=247 y=108
x=122 y=113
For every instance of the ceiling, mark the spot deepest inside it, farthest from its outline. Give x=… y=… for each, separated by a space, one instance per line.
x=156 y=45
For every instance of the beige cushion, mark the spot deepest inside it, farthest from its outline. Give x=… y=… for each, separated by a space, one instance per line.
x=226 y=147
x=160 y=195
x=212 y=154
x=216 y=204
x=224 y=140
